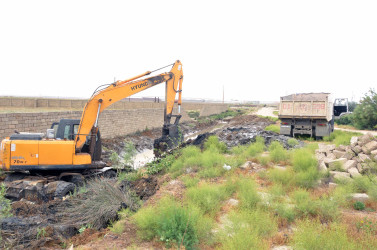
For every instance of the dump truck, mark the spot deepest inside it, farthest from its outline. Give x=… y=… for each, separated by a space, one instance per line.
x=310 y=114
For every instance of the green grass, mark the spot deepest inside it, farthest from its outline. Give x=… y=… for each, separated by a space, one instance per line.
x=312 y=234
x=339 y=137
x=208 y=163
x=277 y=152
x=292 y=142
x=273 y=127
x=169 y=222
x=248 y=194
x=208 y=197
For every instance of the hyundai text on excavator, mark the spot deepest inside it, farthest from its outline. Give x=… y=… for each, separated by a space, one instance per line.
x=73 y=147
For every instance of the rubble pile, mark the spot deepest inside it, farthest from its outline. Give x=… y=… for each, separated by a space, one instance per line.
x=346 y=162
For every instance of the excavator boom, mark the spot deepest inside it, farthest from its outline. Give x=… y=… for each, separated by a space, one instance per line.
x=123 y=89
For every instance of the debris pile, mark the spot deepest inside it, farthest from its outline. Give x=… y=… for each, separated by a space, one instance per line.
x=346 y=162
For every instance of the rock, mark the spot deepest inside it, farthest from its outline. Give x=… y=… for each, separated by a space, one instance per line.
x=232 y=202
x=247 y=165
x=227 y=167
x=326 y=148
x=282 y=248
x=354 y=139
x=349 y=155
x=342 y=148
x=338 y=153
x=329 y=158
x=354 y=172
x=280 y=168
x=365 y=139
x=340 y=175
x=320 y=156
x=349 y=164
x=360 y=197
x=322 y=167
x=373 y=153
x=363 y=158
x=336 y=164
x=332 y=185
x=359 y=167
x=356 y=149
x=369 y=147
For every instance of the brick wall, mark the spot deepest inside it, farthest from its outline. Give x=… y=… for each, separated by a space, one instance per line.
x=112 y=122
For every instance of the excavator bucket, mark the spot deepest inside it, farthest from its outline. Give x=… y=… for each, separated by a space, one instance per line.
x=171 y=138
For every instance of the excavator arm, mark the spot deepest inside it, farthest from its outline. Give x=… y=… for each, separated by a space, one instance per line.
x=121 y=89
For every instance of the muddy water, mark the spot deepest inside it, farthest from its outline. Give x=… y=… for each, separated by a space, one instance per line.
x=143 y=158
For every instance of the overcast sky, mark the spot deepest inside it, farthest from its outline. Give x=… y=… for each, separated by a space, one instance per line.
x=257 y=50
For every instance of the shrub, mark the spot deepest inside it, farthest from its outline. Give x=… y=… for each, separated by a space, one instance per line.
x=292 y=142
x=170 y=222
x=362 y=184
x=285 y=211
x=372 y=192
x=190 y=181
x=305 y=166
x=304 y=204
x=328 y=208
x=311 y=234
x=273 y=127
x=284 y=177
x=277 y=152
x=255 y=148
x=162 y=164
x=213 y=143
x=207 y=197
x=5 y=204
x=99 y=206
x=248 y=194
x=358 y=205
x=303 y=160
x=247 y=230
x=365 y=114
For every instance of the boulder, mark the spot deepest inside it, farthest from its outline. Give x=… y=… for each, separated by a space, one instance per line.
x=337 y=164
x=373 y=153
x=322 y=167
x=354 y=139
x=332 y=185
x=356 y=149
x=340 y=175
x=360 y=197
x=342 y=148
x=349 y=155
x=338 y=153
x=354 y=172
x=364 y=139
x=363 y=158
x=246 y=165
x=369 y=147
x=359 y=167
x=320 y=156
x=325 y=148
x=349 y=164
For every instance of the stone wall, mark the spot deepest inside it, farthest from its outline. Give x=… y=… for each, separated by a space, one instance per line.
x=112 y=122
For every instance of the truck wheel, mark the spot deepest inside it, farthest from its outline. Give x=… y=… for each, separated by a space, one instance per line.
x=64 y=188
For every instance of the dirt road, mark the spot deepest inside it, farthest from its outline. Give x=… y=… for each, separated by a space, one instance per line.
x=374 y=133
x=266 y=111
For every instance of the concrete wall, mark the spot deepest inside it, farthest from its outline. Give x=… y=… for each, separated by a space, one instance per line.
x=112 y=122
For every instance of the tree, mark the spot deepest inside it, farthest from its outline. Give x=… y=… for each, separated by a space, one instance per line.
x=365 y=114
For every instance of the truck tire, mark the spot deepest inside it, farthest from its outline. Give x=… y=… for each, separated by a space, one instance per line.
x=64 y=188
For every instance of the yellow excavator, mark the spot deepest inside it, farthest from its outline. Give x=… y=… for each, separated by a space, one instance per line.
x=72 y=147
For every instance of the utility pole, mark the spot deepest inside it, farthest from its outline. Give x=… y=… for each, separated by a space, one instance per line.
x=223 y=94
